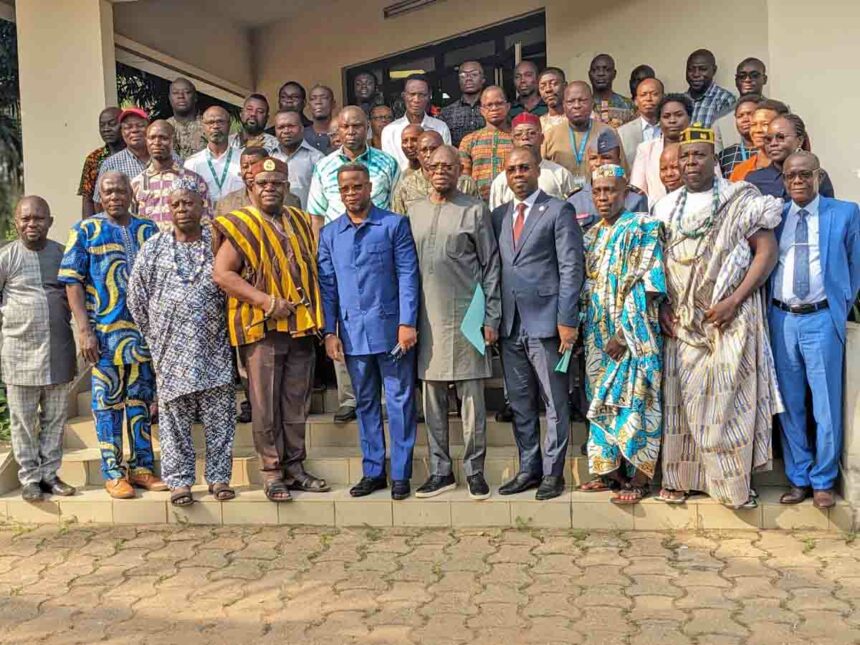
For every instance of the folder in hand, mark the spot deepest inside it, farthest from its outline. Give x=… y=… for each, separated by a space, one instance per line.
x=473 y=322
x=564 y=362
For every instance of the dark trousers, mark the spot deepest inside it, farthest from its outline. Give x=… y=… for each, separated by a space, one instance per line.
x=529 y=367
x=280 y=375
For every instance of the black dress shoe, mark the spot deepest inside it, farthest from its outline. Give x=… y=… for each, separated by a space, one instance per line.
x=344 y=414
x=400 y=489
x=57 y=486
x=478 y=488
x=244 y=415
x=795 y=495
x=367 y=485
x=32 y=493
x=550 y=486
x=520 y=483
x=506 y=414
x=435 y=485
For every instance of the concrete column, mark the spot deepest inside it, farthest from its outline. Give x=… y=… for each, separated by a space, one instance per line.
x=851 y=450
x=67 y=76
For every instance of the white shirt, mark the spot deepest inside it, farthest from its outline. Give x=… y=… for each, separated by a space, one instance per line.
x=555 y=180
x=232 y=180
x=784 y=278
x=391 y=136
x=650 y=130
x=529 y=202
x=300 y=167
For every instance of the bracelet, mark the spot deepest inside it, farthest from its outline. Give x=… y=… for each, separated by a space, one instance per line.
x=268 y=313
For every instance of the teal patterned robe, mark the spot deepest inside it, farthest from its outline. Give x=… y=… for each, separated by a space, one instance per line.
x=624 y=270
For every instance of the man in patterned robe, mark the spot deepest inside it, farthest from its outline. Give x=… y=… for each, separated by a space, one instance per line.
x=180 y=312
x=623 y=346
x=98 y=259
x=719 y=383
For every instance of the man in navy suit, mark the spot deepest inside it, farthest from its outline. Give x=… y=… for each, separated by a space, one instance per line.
x=368 y=273
x=812 y=289
x=540 y=245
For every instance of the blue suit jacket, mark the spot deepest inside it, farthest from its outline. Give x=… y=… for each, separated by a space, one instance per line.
x=542 y=277
x=368 y=280
x=839 y=246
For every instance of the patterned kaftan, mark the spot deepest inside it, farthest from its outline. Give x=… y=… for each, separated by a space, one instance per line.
x=719 y=386
x=624 y=265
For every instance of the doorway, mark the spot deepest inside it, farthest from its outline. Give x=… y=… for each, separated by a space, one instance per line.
x=496 y=48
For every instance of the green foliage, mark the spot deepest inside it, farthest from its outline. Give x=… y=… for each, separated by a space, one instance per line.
x=5 y=426
x=11 y=169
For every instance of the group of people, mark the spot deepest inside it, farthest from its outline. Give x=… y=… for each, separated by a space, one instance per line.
x=677 y=261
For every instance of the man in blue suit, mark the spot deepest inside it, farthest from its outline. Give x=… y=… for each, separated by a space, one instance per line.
x=368 y=273
x=540 y=245
x=812 y=289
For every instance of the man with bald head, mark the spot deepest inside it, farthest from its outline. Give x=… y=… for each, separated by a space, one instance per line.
x=483 y=152
x=670 y=172
x=416 y=186
x=326 y=204
x=151 y=188
x=526 y=84
x=98 y=259
x=457 y=254
x=710 y=101
x=416 y=97
x=322 y=104
x=612 y=108
x=109 y=130
x=464 y=115
x=646 y=126
x=189 y=136
x=217 y=163
x=409 y=145
x=38 y=358
x=297 y=152
x=566 y=144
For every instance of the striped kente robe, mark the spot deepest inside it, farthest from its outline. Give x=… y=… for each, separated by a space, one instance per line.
x=281 y=263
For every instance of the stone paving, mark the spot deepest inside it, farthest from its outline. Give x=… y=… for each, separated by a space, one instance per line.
x=256 y=585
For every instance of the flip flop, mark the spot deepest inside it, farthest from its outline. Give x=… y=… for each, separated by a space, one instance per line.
x=673 y=500
x=640 y=493
x=596 y=485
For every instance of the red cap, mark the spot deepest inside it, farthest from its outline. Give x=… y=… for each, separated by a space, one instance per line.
x=525 y=117
x=136 y=111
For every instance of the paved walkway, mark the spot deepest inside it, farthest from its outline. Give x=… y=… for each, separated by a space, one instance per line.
x=250 y=586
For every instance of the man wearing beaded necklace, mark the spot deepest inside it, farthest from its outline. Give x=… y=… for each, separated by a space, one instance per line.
x=266 y=263
x=625 y=282
x=180 y=312
x=719 y=383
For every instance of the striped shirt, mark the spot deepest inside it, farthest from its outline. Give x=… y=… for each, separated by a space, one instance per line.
x=279 y=261
x=482 y=154
x=324 y=194
x=152 y=188
x=125 y=162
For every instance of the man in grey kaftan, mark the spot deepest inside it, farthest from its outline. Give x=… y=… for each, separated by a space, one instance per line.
x=457 y=252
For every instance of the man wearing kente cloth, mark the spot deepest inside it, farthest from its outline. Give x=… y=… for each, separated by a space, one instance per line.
x=719 y=384
x=624 y=284
x=269 y=273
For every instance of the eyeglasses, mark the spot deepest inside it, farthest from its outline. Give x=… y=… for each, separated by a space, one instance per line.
x=805 y=175
x=475 y=74
x=753 y=76
x=779 y=137
x=441 y=167
x=499 y=105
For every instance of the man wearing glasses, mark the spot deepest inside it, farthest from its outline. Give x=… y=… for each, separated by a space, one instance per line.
x=464 y=115
x=815 y=282
x=750 y=78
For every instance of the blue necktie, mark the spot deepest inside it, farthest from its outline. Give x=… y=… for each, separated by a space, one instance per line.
x=801 y=256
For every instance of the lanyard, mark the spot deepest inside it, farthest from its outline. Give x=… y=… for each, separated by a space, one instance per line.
x=220 y=182
x=745 y=154
x=579 y=152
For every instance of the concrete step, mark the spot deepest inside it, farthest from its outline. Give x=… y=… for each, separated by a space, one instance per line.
x=580 y=511
x=321 y=432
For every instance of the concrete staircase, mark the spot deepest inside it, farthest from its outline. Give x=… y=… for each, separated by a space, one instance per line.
x=333 y=453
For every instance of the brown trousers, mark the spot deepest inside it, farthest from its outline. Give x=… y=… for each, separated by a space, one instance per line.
x=280 y=375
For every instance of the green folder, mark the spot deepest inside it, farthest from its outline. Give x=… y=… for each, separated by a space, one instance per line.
x=563 y=362
x=473 y=322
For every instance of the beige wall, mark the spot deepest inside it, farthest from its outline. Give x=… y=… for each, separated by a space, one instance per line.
x=58 y=135
x=633 y=31
x=815 y=49
x=190 y=32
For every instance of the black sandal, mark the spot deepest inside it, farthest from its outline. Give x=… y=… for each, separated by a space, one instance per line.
x=309 y=484
x=222 y=492
x=277 y=491
x=181 y=496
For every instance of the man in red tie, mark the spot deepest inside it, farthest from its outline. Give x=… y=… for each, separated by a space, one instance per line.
x=540 y=246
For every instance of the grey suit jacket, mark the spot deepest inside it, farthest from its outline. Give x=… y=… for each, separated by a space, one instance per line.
x=631 y=136
x=542 y=277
